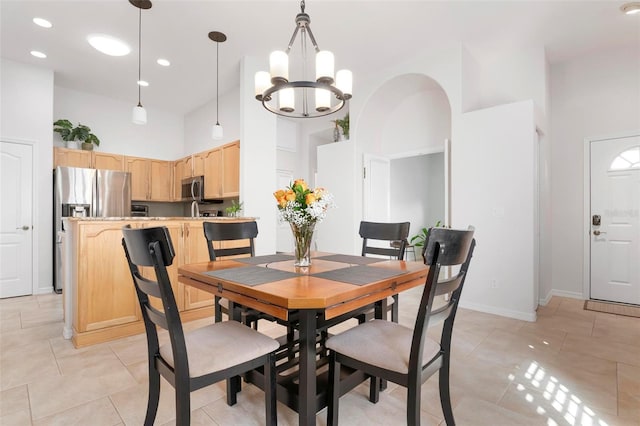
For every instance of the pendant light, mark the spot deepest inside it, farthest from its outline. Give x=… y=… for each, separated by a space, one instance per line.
x=139 y=115
x=218 y=37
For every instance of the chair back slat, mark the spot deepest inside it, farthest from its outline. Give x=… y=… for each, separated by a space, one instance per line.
x=449 y=285
x=391 y=232
x=157 y=317
x=147 y=286
x=220 y=231
x=444 y=247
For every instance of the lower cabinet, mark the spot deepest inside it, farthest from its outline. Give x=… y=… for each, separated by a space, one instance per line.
x=104 y=301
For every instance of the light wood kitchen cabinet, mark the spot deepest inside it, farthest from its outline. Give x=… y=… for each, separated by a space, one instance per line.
x=139 y=169
x=150 y=179
x=231 y=169
x=195 y=250
x=222 y=171
x=107 y=161
x=160 y=180
x=66 y=157
x=182 y=169
x=105 y=295
x=176 y=232
x=213 y=174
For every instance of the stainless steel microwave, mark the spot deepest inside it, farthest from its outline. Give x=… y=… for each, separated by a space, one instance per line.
x=193 y=189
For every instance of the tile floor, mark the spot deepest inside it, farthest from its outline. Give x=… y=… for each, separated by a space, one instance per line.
x=571 y=367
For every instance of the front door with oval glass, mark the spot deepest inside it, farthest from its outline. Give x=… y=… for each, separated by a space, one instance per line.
x=615 y=220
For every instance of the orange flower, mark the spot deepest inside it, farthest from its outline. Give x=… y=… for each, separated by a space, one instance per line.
x=278 y=194
x=282 y=202
x=301 y=183
x=309 y=199
x=290 y=195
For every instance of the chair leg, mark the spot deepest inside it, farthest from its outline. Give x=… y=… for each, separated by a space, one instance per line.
x=413 y=404
x=374 y=389
x=217 y=309
x=183 y=404
x=334 y=390
x=445 y=394
x=154 y=396
x=270 y=395
x=234 y=385
x=395 y=309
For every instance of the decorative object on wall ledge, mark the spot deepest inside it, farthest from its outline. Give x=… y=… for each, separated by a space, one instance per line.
x=342 y=125
x=218 y=37
x=70 y=134
x=139 y=115
x=300 y=92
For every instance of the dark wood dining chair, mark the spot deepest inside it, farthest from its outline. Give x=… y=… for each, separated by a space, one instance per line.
x=193 y=360
x=231 y=231
x=395 y=236
x=408 y=357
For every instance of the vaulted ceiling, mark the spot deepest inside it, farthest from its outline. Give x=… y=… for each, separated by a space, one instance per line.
x=364 y=36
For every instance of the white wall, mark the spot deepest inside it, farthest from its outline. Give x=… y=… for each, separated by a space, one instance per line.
x=26 y=114
x=493 y=185
x=199 y=122
x=109 y=119
x=594 y=95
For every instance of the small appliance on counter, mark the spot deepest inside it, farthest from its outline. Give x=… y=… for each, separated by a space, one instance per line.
x=210 y=213
x=139 y=210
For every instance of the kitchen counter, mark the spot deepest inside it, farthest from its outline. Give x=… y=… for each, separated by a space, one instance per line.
x=100 y=301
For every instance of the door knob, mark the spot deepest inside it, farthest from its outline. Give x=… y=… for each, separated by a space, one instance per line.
x=596 y=232
x=24 y=227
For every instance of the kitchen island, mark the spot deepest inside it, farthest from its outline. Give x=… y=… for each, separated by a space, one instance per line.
x=100 y=301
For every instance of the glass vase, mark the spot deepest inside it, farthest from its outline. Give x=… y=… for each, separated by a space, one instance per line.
x=302 y=236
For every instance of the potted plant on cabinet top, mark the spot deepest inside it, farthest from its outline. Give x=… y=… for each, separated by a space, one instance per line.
x=70 y=134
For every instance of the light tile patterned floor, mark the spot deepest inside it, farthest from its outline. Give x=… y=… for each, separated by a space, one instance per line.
x=571 y=367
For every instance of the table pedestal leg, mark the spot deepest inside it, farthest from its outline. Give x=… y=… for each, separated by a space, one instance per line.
x=307 y=368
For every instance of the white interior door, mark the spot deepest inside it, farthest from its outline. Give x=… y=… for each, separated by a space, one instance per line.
x=377 y=186
x=615 y=220
x=284 y=238
x=16 y=219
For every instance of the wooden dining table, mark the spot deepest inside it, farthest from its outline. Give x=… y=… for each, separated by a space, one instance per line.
x=310 y=299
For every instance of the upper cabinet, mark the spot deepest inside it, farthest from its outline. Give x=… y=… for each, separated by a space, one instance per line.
x=231 y=169
x=150 y=179
x=222 y=171
x=105 y=160
x=66 y=157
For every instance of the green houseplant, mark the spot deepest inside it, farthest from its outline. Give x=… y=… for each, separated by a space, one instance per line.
x=234 y=209
x=419 y=239
x=82 y=133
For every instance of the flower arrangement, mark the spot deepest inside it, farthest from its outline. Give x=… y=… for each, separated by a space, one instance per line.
x=300 y=205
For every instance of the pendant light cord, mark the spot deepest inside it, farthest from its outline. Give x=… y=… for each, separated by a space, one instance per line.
x=217 y=80
x=139 y=52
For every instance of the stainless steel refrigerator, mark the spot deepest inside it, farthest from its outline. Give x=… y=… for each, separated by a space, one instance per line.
x=79 y=192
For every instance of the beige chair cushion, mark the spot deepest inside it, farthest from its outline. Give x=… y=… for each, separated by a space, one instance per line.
x=221 y=345
x=381 y=343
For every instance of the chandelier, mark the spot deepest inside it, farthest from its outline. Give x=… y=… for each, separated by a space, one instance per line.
x=293 y=98
x=139 y=114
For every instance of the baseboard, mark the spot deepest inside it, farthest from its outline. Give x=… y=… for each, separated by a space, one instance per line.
x=45 y=290
x=524 y=316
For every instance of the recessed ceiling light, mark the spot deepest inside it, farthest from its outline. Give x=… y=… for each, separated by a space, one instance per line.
x=108 y=45
x=631 y=8
x=163 y=62
x=38 y=54
x=42 y=22
x=143 y=83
